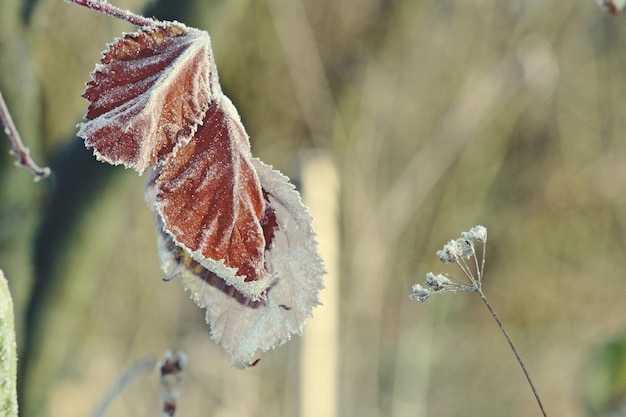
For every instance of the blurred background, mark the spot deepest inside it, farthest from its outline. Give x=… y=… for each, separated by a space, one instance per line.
x=425 y=118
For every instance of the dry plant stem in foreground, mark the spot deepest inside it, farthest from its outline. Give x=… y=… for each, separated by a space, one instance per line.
x=140 y=368
x=458 y=252
x=612 y=6
x=19 y=150
x=170 y=374
x=171 y=382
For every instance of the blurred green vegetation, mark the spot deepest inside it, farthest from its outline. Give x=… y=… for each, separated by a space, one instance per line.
x=8 y=352
x=440 y=115
x=607 y=378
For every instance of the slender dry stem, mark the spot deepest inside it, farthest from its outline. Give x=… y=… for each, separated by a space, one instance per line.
x=19 y=150
x=457 y=252
x=138 y=369
x=517 y=355
x=113 y=11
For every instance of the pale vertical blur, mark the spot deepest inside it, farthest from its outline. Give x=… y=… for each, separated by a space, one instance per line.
x=319 y=357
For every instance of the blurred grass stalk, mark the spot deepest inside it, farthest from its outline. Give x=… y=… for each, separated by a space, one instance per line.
x=319 y=365
x=8 y=354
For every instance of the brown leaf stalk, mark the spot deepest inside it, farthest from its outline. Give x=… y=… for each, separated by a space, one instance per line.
x=110 y=10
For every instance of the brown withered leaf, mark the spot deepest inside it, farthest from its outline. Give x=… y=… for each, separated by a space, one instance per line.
x=150 y=91
x=210 y=200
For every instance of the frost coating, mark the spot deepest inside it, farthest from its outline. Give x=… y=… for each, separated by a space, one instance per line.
x=150 y=92
x=210 y=200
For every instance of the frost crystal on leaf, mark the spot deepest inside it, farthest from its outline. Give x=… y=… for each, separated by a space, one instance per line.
x=231 y=227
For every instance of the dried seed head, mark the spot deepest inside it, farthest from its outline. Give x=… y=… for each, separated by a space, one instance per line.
x=476 y=234
x=456 y=250
x=437 y=282
x=419 y=293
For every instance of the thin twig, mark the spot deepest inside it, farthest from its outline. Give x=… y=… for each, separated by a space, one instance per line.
x=138 y=369
x=113 y=11
x=19 y=150
x=519 y=358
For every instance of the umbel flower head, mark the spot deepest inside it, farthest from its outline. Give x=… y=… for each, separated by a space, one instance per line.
x=458 y=252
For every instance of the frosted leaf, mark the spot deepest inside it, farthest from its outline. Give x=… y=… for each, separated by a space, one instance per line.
x=293 y=253
x=210 y=200
x=150 y=91
x=239 y=324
